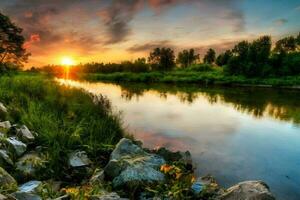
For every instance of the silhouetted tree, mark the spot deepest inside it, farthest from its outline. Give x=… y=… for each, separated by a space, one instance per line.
x=210 y=56
x=162 y=59
x=187 y=57
x=11 y=43
x=287 y=44
x=223 y=58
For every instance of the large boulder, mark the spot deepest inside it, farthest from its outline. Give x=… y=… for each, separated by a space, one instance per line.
x=25 y=134
x=29 y=165
x=130 y=164
x=17 y=146
x=7 y=182
x=248 y=190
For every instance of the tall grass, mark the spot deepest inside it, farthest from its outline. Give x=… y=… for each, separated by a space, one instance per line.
x=65 y=118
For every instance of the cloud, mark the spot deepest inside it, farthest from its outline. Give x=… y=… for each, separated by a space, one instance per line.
x=280 y=22
x=147 y=47
x=116 y=18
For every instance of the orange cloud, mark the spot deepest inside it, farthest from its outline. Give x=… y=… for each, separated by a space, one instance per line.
x=33 y=39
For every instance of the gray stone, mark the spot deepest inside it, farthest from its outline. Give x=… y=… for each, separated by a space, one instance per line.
x=108 y=196
x=79 y=159
x=136 y=174
x=248 y=190
x=130 y=164
x=31 y=187
x=3 y=109
x=98 y=177
x=2 y=197
x=18 y=146
x=6 y=180
x=26 y=196
x=25 y=135
x=30 y=164
x=5 y=125
x=4 y=158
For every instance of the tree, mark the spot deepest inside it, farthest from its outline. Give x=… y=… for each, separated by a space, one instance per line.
x=187 y=57
x=210 y=56
x=223 y=58
x=287 y=44
x=11 y=42
x=162 y=59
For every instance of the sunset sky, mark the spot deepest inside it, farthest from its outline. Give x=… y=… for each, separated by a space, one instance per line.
x=104 y=31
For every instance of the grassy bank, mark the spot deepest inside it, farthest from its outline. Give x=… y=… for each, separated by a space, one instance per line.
x=216 y=77
x=65 y=118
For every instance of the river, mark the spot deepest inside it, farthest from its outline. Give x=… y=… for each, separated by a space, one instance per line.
x=235 y=134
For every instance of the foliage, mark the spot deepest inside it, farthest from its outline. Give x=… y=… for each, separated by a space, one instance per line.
x=178 y=182
x=223 y=58
x=65 y=119
x=11 y=43
x=162 y=59
x=210 y=56
x=187 y=57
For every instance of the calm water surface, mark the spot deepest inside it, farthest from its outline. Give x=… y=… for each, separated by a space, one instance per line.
x=235 y=134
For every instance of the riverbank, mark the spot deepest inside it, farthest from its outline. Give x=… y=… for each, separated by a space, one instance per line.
x=59 y=142
x=215 y=77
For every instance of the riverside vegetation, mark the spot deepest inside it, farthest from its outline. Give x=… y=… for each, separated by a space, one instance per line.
x=62 y=143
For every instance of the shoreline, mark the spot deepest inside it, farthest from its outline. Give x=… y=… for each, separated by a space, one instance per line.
x=230 y=81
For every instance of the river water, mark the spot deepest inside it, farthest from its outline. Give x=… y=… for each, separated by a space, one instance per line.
x=235 y=134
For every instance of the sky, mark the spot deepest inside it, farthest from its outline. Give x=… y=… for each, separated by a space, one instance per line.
x=118 y=30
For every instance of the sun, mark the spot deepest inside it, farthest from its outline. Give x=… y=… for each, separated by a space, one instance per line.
x=67 y=61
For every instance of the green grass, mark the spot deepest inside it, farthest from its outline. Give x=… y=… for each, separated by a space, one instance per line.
x=196 y=74
x=65 y=118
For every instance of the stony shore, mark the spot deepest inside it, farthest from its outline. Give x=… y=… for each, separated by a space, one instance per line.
x=130 y=172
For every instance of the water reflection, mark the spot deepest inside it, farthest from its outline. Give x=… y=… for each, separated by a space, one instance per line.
x=259 y=102
x=236 y=134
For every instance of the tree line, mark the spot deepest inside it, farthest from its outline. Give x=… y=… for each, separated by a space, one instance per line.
x=251 y=59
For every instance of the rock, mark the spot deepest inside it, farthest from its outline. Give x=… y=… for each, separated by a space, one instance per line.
x=26 y=196
x=30 y=164
x=109 y=196
x=7 y=197
x=98 y=177
x=197 y=187
x=7 y=182
x=2 y=197
x=53 y=185
x=130 y=164
x=18 y=147
x=25 y=135
x=5 y=125
x=248 y=190
x=3 y=109
x=5 y=160
x=137 y=174
x=31 y=187
x=79 y=159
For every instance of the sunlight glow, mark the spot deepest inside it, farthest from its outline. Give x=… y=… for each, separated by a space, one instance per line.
x=67 y=61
